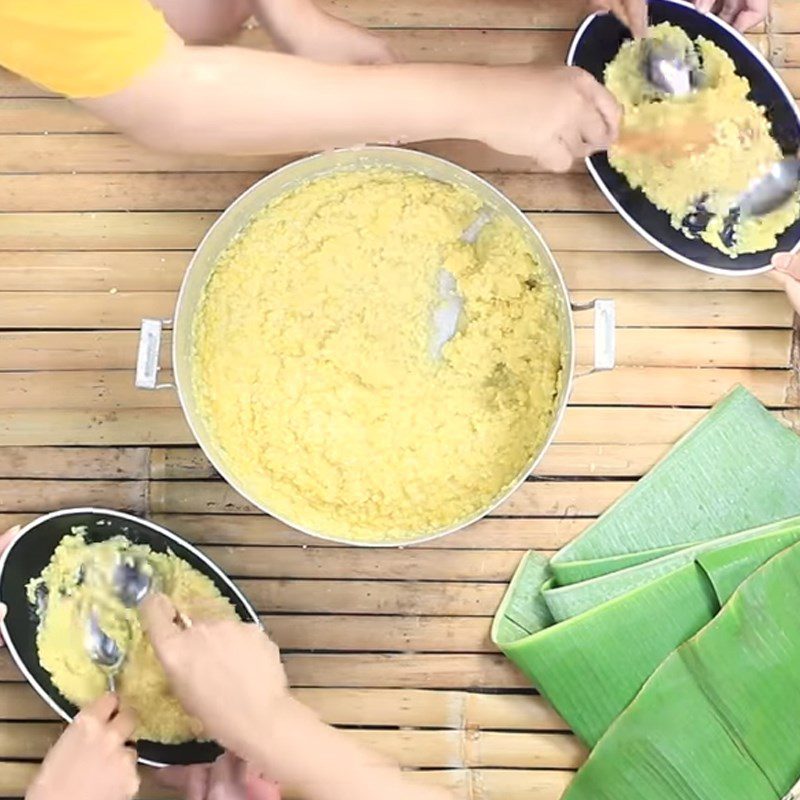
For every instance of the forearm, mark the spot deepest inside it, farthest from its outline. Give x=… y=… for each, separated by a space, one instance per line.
x=239 y=101
x=283 y=17
x=318 y=762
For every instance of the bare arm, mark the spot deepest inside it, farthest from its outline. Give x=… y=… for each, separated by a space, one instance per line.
x=333 y=766
x=229 y=676
x=239 y=101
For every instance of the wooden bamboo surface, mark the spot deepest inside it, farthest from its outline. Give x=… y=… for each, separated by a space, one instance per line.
x=95 y=233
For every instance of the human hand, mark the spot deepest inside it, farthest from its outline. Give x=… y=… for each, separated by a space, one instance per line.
x=90 y=761
x=228 y=778
x=742 y=14
x=554 y=115
x=5 y=541
x=302 y=28
x=631 y=13
x=227 y=674
x=334 y=41
x=786 y=272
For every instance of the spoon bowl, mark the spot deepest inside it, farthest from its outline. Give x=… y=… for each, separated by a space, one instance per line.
x=772 y=190
x=102 y=649
x=668 y=70
x=132 y=579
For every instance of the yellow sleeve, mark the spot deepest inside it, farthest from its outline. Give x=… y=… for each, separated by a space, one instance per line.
x=80 y=48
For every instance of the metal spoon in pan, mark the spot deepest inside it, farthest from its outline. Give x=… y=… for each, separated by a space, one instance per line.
x=447 y=312
x=132 y=579
x=102 y=649
x=772 y=190
x=672 y=71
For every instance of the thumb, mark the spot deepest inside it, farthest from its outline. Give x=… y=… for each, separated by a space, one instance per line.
x=787 y=263
x=158 y=620
x=9 y=536
x=747 y=20
x=704 y=5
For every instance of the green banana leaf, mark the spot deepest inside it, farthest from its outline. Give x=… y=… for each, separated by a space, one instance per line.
x=591 y=666
x=590 y=628
x=720 y=718
x=737 y=469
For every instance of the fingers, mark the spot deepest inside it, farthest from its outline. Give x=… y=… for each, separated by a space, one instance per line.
x=259 y=788
x=9 y=536
x=607 y=106
x=197 y=783
x=134 y=782
x=729 y=10
x=556 y=158
x=787 y=264
x=631 y=13
x=123 y=724
x=595 y=133
x=191 y=781
x=158 y=620
x=226 y=779
x=101 y=709
x=636 y=11
x=787 y=275
x=748 y=19
x=705 y=5
x=601 y=128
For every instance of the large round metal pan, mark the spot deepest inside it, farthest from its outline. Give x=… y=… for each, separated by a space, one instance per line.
x=272 y=187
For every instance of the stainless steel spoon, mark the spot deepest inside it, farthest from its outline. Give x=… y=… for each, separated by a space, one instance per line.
x=447 y=312
x=132 y=580
x=669 y=70
x=772 y=190
x=102 y=649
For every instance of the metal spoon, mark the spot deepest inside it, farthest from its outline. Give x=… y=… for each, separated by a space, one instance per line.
x=102 y=649
x=132 y=580
x=772 y=190
x=669 y=70
x=447 y=313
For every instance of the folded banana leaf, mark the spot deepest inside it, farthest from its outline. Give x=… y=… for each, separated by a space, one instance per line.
x=591 y=627
x=591 y=666
x=737 y=469
x=720 y=718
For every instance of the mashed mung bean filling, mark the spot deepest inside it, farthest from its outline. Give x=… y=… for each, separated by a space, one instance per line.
x=693 y=156
x=313 y=365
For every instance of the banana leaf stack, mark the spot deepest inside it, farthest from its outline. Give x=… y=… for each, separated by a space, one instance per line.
x=668 y=634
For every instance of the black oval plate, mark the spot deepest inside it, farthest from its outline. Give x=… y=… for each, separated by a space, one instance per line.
x=597 y=43
x=30 y=554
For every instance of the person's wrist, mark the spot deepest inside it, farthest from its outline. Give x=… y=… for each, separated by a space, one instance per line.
x=263 y=722
x=468 y=102
x=261 y=739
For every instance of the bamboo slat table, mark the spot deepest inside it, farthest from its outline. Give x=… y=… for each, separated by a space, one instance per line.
x=95 y=233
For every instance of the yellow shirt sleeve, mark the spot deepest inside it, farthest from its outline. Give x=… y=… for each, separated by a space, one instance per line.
x=80 y=48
